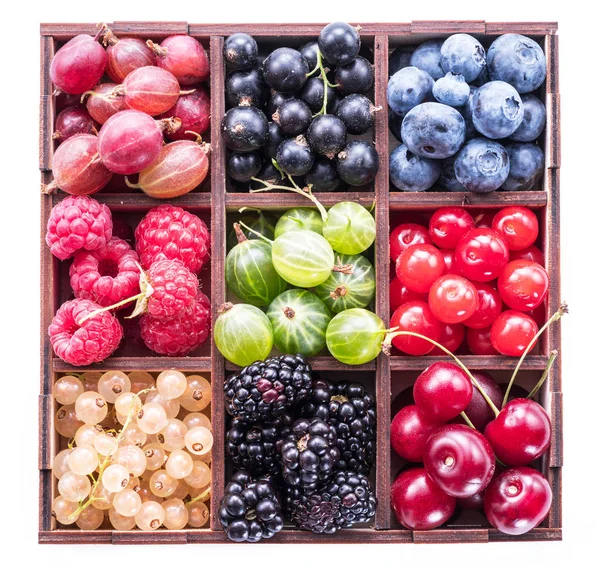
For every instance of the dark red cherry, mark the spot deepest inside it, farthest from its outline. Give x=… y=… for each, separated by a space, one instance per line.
x=409 y=433
x=451 y=337
x=516 y=391
x=418 y=503
x=488 y=308
x=523 y=285
x=530 y=253
x=484 y=218
x=459 y=459
x=416 y=317
x=520 y=433
x=479 y=341
x=512 y=332
x=474 y=502
x=448 y=224
x=405 y=398
x=517 y=500
x=400 y=294
x=406 y=235
x=442 y=391
x=517 y=225
x=478 y=411
x=481 y=254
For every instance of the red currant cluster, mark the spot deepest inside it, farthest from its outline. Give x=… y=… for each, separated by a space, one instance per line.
x=481 y=277
x=171 y=246
x=459 y=461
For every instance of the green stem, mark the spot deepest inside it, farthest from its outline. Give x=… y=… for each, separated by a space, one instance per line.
x=117 y=305
x=255 y=232
x=467 y=420
x=326 y=83
x=538 y=386
x=391 y=336
x=201 y=495
x=555 y=317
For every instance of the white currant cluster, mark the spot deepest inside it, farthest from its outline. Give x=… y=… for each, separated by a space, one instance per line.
x=138 y=451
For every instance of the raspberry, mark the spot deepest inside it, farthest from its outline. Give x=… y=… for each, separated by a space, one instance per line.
x=170 y=233
x=106 y=275
x=179 y=336
x=92 y=341
x=174 y=289
x=78 y=222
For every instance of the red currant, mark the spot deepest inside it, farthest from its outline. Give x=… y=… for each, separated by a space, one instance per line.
x=448 y=224
x=512 y=331
x=517 y=225
x=400 y=294
x=406 y=235
x=453 y=299
x=419 y=266
x=523 y=285
x=530 y=253
x=452 y=336
x=416 y=317
x=448 y=255
x=488 y=309
x=481 y=254
x=479 y=341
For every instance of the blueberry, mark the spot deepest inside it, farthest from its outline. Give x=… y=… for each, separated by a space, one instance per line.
x=482 y=165
x=246 y=88
x=467 y=113
x=497 y=109
x=407 y=88
x=276 y=137
x=242 y=167
x=428 y=58
x=517 y=60
x=295 y=157
x=433 y=130
x=327 y=135
x=357 y=163
x=484 y=77
x=323 y=176
x=462 y=53
x=399 y=59
x=285 y=70
x=447 y=178
x=452 y=90
x=410 y=172
x=339 y=43
x=240 y=52
x=534 y=120
x=357 y=113
x=309 y=51
x=355 y=77
x=244 y=129
x=395 y=124
x=293 y=116
x=526 y=167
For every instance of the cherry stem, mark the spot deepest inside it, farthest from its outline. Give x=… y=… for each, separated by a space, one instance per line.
x=390 y=336
x=256 y=233
x=564 y=309
x=306 y=192
x=239 y=233
x=467 y=420
x=538 y=386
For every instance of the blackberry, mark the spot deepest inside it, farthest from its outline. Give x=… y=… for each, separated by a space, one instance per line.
x=351 y=411
x=309 y=454
x=250 y=510
x=256 y=448
x=265 y=390
x=347 y=499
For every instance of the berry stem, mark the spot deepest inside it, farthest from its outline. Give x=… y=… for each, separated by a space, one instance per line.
x=132 y=185
x=107 y=308
x=201 y=496
x=388 y=339
x=467 y=420
x=239 y=233
x=259 y=235
x=538 y=386
x=564 y=309
x=326 y=83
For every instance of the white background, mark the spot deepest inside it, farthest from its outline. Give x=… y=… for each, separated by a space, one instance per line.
x=19 y=281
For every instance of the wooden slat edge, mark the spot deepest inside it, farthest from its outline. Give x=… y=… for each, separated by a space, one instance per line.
x=201 y=364
x=492 y=362
x=46 y=104
x=554 y=476
x=450 y=536
x=552 y=58
x=46 y=410
x=525 y=28
x=288 y=200
x=218 y=222
x=433 y=200
x=151 y=30
x=552 y=147
x=532 y=535
x=138 y=201
x=556 y=416
x=143 y=537
x=447 y=26
x=325 y=363
x=45 y=500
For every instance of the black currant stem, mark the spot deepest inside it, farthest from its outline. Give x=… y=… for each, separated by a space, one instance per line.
x=538 y=386
x=467 y=420
x=259 y=235
x=107 y=308
x=201 y=496
x=307 y=192
x=326 y=83
x=108 y=458
x=489 y=401
x=564 y=309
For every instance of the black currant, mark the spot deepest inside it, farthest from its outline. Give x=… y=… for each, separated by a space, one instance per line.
x=276 y=100
x=312 y=95
x=327 y=135
x=270 y=174
x=245 y=129
x=356 y=77
x=276 y=137
x=293 y=116
x=357 y=113
x=323 y=176
x=285 y=70
x=240 y=52
x=246 y=88
x=309 y=51
x=357 y=163
x=339 y=43
x=242 y=167
x=395 y=124
x=295 y=157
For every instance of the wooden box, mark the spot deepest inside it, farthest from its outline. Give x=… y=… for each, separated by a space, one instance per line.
x=212 y=201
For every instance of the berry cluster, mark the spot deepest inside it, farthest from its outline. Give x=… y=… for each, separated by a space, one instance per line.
x=480 y=277
x=309 y=441
x=171 y=245
x=136 y=450
x=467 y=120
x=287 y=118
x=459 y=461
x=115 y=131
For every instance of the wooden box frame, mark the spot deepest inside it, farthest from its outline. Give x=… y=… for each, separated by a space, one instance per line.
x=217 y=203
